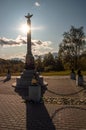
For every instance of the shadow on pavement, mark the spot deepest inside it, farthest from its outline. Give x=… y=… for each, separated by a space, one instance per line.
x=37 y=116
x=6 y=79
x=23 y=92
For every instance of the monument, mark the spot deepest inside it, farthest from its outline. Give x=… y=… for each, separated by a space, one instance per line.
x=26 y=76
x=24 y=81
x=29 y=63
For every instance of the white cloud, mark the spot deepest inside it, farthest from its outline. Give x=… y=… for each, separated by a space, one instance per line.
x=10 y=42
x=17 y=48
x=41 y=47
x=37 y=4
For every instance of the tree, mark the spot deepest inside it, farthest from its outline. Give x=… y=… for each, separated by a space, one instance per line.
x=72 y=46
x=14 y=66
x=48 y=62
x=38 y=64
x=58 y=64
x=82 y=61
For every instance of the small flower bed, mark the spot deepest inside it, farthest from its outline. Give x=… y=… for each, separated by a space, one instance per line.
x=64 y=100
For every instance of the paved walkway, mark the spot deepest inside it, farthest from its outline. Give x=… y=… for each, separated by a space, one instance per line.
x=53 y=114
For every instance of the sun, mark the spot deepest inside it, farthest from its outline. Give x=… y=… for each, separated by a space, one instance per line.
x=25 y=28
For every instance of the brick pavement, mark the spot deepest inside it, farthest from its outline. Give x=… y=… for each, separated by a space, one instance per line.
x=12 y=108
x=16 y=114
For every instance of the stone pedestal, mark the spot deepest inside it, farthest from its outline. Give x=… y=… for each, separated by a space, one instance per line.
x=25 y=79
x=79 y=81
x=35 y=93
x=9 y=76
x=73 y=76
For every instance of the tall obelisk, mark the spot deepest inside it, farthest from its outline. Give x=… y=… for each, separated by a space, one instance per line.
x=24 y=81
x=26 y=77
x=29 y=63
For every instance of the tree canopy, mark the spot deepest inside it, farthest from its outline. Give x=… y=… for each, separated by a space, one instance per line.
x=72 y=46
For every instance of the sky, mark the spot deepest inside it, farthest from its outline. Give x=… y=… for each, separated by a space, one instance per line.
x=51 y=18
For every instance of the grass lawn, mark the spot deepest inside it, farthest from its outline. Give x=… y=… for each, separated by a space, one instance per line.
x=60 y=73
x=52 y=73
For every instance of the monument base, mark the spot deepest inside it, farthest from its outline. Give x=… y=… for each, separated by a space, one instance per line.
x=25 y=79
x=35 y=93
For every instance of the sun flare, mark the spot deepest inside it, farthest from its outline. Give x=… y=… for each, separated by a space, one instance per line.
x=25 y=28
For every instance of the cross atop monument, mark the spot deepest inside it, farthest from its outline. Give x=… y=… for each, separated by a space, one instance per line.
x=29 y=16
x=29 y=63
